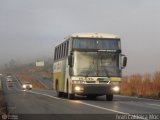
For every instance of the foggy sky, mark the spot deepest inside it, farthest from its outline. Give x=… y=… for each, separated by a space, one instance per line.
x=29 y=29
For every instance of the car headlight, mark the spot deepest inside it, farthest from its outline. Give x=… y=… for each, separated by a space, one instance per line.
x=30 y=86
x=24 y=86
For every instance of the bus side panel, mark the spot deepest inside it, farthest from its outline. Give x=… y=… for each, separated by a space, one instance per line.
x=67 y=76
x=67 y=72
x=64 y=64
x=58 y=75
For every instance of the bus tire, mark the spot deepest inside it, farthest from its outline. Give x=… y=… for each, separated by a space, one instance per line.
x=109 y=97
x=71 y=96
x=59 y=94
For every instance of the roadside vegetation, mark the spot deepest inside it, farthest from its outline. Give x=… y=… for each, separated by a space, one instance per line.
x=146 y=85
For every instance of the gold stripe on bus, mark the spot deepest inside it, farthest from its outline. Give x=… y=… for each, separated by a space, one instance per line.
x=115 y=79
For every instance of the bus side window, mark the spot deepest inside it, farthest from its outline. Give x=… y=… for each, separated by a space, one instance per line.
x=61 y=51
x=64 y=47
x=55 y=54
x=67 y=48
x=58 y=53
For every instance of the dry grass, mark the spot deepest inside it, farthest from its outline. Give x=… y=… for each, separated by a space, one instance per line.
x=141 y=85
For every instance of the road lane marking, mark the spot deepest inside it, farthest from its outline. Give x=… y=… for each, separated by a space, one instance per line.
x=91 y=105
x=87 y=104
x=100 y=107
x=83 y=103
x=79 y=103
x=138 y=98
x=153 y=104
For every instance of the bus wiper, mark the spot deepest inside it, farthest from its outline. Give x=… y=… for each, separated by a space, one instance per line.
x=90 y=68
x=106 y=71
x=100 y=53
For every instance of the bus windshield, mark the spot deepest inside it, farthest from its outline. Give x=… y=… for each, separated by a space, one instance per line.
x=96 y=64
x=96 y=43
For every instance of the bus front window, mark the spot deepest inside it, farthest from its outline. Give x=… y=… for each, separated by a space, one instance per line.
x=96 y=64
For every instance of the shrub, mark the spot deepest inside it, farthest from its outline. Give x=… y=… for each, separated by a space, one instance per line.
x=146 y=85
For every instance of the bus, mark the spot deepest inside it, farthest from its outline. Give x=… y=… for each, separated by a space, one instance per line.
x=88 y=64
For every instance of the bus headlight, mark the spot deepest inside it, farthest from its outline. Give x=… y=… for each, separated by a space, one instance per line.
x=78 y=88
x=116 y=89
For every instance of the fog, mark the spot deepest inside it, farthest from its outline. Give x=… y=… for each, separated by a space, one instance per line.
x=29 y=29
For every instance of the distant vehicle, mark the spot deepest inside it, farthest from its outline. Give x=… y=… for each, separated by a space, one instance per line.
x=88 y=64
x=27 y=86
x=9 y=76
x=10 y=82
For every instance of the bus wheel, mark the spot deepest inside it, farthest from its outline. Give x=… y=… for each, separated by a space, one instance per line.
x=71 y=96
x=109 y=97
x=59 y=94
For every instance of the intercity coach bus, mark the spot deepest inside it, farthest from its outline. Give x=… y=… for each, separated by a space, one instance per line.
x=88 y=64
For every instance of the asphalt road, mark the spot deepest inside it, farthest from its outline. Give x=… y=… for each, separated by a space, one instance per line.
x=44 y=104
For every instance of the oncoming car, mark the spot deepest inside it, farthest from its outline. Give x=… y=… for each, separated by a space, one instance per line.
x=10 y=82
x=27 y=86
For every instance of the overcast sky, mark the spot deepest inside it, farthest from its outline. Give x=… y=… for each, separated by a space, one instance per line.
x=29 y=29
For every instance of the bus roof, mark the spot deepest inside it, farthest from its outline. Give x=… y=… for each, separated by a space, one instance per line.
x=94 y=35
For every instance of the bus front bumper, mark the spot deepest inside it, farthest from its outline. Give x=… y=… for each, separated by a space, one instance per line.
x=90 y=89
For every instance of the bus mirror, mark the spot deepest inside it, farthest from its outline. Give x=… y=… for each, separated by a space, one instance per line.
x=70 y=60
x=124 y=61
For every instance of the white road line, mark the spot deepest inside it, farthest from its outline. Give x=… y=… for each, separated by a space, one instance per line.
x=138 y=98
x=100 y=107
x=153 y=104
x=87 y=104
x=79 y=103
